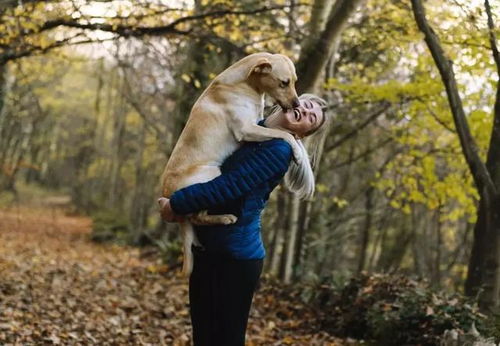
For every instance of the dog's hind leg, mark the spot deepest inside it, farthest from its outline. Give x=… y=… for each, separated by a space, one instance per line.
x=202 y=218
x=189 y=238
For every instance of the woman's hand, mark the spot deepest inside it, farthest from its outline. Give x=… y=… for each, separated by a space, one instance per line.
x=166 y=211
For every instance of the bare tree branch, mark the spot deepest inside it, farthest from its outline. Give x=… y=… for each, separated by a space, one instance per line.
x=365 y=153
x=175 y=28
x=169 y=29
x=372 y=116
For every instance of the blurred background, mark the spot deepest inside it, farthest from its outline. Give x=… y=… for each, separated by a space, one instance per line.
x=94 y=94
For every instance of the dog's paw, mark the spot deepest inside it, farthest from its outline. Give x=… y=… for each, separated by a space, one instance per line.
x=229 y=219
x=162 y=201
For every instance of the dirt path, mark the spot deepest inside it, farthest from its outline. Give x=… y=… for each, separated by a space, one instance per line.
x=57 y=287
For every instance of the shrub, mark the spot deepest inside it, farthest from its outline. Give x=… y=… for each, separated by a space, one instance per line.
x=110 y=226
x=395 y=310
x=170 y=251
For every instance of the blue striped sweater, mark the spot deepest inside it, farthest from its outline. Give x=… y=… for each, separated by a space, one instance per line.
x=248 y=177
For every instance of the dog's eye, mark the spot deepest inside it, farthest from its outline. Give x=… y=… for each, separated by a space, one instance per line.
x=284 y=83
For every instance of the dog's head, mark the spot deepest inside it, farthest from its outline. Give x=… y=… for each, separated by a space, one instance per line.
x=275 y=75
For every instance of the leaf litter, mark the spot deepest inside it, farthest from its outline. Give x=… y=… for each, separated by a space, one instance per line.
x=59 y=288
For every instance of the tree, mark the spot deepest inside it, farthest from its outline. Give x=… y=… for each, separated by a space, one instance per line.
x=484 y=265
x=316 y=52
x=30 y=27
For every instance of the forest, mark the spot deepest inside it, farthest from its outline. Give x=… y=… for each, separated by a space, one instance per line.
x=95 y=93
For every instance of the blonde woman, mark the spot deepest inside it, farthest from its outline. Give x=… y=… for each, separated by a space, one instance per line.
x=228 y=265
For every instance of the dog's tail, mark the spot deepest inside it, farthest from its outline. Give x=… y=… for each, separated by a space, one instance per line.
x=189 y=238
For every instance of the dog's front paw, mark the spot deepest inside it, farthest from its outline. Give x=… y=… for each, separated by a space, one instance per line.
x=229 y=219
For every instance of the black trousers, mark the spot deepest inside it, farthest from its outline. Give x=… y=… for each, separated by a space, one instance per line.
x=220 y=295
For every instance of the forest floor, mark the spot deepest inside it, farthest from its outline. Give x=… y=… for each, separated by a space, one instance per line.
x=58 y=287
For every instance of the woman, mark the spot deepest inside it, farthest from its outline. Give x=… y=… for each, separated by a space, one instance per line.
x=228 y=265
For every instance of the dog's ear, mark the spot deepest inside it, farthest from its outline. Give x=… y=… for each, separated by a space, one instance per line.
x=261 y=66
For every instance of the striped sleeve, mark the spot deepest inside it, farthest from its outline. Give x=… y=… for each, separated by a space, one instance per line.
x=266 y=162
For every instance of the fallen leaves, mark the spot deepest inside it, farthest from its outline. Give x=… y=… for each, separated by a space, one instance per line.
x=57 y=287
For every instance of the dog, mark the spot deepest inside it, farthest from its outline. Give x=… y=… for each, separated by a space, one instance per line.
x=227 y=113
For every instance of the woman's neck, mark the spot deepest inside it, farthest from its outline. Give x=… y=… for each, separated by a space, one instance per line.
x=274 y=121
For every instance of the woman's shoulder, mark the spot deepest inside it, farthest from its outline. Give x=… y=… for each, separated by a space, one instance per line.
x=270 y=151
x=276 y=144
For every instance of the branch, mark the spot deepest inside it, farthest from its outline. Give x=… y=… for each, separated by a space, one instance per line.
x=372 y=117
x=14 y=55
x=478 y=169
x=440 y=121
x=122 y=30
x=137 y=105
x=9 y=53
x=169 y=29
x=365 y=153
x=493 y=40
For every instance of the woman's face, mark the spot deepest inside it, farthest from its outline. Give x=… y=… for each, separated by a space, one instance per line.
x=304 y=119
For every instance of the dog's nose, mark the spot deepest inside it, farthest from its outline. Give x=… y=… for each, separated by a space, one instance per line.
x=295 y=102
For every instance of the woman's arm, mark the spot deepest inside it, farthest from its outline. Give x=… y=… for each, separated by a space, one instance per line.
x=270 y=160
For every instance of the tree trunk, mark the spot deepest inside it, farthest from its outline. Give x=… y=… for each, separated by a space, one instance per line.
x=436 y=272
x=315 y=56
x=117 y=147
x=300 y=249
x=137 y=210
x=394 y=249
x=293 y=215
x=3 y=91
x=365 y=235
x=490 y=210
x=278 y=239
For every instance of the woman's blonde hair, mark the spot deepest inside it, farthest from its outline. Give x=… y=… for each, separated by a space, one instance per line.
x=299 y=178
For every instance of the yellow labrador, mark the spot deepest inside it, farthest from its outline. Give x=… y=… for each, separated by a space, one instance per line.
x=226 y=114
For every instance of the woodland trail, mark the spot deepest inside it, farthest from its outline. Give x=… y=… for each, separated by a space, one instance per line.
x=57 y=287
